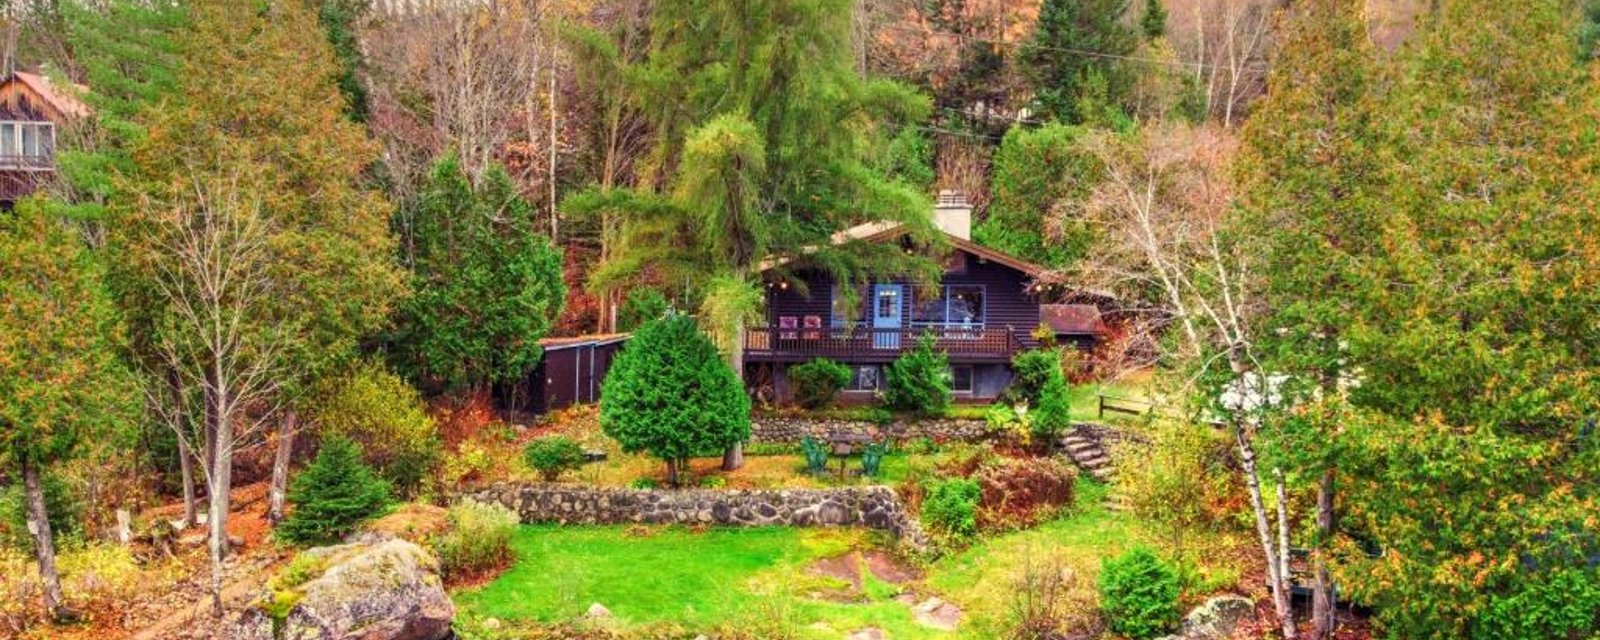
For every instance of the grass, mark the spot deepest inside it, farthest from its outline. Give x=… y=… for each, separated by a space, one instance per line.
x=755 y=580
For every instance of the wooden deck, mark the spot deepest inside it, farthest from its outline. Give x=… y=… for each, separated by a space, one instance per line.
x=866 y=344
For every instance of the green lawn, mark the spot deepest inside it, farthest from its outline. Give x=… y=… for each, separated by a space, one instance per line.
x=756 y=579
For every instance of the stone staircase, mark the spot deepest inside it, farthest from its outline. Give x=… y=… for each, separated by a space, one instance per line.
x=1089 y=453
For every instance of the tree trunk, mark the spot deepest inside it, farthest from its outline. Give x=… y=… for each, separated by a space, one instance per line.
x=672 y=471
x=218 y=485
x=186 y=469
x=1323 y=604
x=1280 y=591
x=44 y=543
x=733 y=456
x=280 y=466
x=1283 y=526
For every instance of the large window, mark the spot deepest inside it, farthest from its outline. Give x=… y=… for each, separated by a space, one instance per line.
x=27 y=139
x=957 y=304
x=864 y=377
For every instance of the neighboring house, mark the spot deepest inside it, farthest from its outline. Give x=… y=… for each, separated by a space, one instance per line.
x=986 y=310
x=32 y=112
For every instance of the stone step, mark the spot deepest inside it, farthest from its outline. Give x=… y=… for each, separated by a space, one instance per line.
x=1072 y=440
x=1081 y=448
x=1102 y=461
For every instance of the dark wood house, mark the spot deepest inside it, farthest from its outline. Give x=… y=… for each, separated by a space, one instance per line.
x=985 y=308
x=32 y=112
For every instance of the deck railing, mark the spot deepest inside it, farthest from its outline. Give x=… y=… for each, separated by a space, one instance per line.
x=29 y=163
x=841 y=342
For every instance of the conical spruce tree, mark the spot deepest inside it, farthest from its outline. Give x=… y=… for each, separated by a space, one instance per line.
x=333 y=495
x=672 y=395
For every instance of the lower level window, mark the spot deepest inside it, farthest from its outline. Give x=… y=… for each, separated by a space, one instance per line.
x=961 y=378
x=864 y=377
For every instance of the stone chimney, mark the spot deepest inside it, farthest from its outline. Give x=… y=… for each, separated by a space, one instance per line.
x=952 y=214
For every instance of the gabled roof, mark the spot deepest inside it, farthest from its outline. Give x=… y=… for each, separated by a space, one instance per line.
x=63 y=101
x=881 y=231
x=556 y=344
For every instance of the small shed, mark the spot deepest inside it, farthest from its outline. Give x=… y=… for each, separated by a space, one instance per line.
x=572 y=370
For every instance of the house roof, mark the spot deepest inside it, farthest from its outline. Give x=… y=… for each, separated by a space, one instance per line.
x=63 y=101
x=1072 y=319
x=881 y=231
x=556 y=344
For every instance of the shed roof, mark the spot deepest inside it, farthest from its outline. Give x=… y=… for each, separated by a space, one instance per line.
x=1072 y=319
x=556 y=344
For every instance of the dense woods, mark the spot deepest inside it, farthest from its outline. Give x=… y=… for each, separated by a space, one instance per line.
x=305 y=242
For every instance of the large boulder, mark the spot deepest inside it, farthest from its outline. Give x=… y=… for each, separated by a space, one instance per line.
x=1217 y=618
x=387 y=590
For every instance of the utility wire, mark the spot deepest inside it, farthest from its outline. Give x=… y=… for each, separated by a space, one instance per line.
x=1080 y=52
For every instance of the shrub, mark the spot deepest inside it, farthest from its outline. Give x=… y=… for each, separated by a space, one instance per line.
x=816 y=382
x=1053 y=414
x=1010 y=426
x=951 y=506
x=1139 y=594
x=643 y=483
x=61 y=506
x=642 y=305
x=919 y=380
x=385 y=416
x=1020 y=492
x=333 y=495
x=553 y=455
x=671 y=394
x=478 y=539
x=1033 y=370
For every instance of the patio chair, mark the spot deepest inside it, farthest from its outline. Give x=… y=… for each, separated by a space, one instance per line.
x=816 y=455
x=872 y=458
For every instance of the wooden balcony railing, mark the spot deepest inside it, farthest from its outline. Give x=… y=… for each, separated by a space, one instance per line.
x=27 y=163
x=859 y=341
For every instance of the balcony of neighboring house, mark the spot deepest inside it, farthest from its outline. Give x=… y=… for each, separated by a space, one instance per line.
x=27 y=146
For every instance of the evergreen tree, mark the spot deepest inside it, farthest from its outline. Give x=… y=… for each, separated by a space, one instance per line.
x=128 y=54
x=60 y=382
x=1074 y=41
x=1309 y=180
x=340 y=18
x=486 y=286
x=670 y=395
x=919 y=380
x=1035 y=169
x=1154 y=21
x=761 y=126
x=333 y=495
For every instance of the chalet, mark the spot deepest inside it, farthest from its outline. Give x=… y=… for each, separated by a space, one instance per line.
x=32 y=110
x=985 y=309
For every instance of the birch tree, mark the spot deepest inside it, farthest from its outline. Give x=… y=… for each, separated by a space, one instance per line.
x=1163 y=203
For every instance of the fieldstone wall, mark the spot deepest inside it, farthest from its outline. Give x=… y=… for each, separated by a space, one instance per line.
x=783 y=429
x=874 y=507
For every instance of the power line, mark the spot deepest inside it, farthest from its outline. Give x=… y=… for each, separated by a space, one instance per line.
x=1081 y=52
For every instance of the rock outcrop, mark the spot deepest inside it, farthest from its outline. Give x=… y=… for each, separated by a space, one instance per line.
x=388 y=590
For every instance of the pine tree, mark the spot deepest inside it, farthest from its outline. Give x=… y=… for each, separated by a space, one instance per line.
x=1154 y=20
x=333 y=495
x=1073 y=41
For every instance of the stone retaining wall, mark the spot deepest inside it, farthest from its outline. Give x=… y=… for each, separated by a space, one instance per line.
x=873 y=507
x=780 y=429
